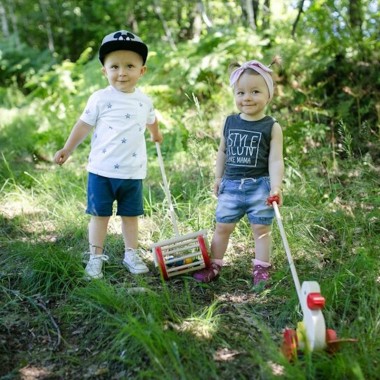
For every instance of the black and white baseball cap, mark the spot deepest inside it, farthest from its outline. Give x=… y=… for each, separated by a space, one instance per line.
x=122 y=40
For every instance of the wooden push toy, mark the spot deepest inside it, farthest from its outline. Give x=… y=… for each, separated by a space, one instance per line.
x=311 y=333
x=180 y=254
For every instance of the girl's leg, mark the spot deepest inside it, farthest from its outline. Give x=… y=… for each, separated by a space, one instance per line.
x=263 y=242
x=130 y=230
x=97 y=231
x=220 y=240
x=219 y=246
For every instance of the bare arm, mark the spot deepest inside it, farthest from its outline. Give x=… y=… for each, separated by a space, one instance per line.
x=155 y=132
x=276 y=161
x=220 y=162
x=77 y=135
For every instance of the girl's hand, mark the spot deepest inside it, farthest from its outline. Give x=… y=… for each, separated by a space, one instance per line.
x=277 y=193
x=216 y=186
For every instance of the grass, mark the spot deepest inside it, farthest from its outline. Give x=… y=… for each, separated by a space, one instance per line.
x=56 y=325
x=126 y=326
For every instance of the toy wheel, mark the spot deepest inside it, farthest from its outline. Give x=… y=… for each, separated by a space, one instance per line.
x=332 y=341
x=331 y=335
x=161 y=263
x=202 y=245
x=289 y=344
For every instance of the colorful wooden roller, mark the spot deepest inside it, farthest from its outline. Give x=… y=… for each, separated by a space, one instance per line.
x=180 y=254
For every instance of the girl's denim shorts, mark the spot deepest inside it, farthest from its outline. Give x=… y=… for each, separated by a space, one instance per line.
x=102 y=192
x=246 y=196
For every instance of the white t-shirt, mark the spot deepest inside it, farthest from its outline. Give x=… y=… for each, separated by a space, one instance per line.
x=118 y=147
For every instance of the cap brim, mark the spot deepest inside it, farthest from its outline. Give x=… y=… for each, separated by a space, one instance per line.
x=138 y=47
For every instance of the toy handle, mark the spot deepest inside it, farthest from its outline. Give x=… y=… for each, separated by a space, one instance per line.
x=273 y=198
x=166 y=189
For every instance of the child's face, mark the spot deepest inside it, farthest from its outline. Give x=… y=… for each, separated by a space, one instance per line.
x=123 y=69
x=251 y=96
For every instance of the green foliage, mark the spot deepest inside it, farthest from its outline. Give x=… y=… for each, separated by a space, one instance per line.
x=19 y=62
x=127 y=326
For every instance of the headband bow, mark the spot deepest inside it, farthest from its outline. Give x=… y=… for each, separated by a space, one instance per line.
x=257 y=66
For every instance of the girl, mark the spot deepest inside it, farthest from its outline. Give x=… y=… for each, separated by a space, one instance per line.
x=249 y=168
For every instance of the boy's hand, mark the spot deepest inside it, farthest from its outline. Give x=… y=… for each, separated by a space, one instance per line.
x=157 y=137
x=61 y=156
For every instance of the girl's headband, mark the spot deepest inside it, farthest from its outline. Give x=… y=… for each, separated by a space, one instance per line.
x=257 y=66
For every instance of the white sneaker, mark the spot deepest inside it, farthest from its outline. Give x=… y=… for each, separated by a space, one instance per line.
x=94 y=266
x=133 y=262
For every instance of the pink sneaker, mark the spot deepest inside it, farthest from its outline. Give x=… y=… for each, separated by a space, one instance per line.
x=208 y=274
x=260 y=274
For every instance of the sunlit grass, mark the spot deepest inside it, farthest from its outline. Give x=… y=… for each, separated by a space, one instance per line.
x=143 y=327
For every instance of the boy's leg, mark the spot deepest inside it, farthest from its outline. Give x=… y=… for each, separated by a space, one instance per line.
x=263 y=243
x=97 y=231
x=132 y=261
x=130 y=230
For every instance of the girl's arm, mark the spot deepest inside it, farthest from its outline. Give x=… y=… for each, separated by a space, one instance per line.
x=276 y=162
x=77 y=135
x=220 y=162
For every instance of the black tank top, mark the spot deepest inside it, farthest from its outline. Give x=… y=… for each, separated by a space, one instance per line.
x=247 y=147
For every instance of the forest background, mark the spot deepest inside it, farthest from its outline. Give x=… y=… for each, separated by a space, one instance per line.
x=54 y=325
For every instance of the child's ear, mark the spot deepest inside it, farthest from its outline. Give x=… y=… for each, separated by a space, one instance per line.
x=104 y=71
x=143 y=70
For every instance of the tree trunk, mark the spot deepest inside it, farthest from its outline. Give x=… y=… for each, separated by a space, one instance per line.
x=251 y=16
x=13 y=18
x=49 y=31
x=266 y=15
x=356 y=15
x=167 y=30
x=4 y=21
x=300 y=10
x=200 y=17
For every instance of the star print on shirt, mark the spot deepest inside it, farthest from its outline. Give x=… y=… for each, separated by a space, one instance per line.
x=116 y=166
x=88 y=111
x=104 y=150
x=140 y=104
x=124 y=140
x=127 y=116
x=109 y=105
x=134 y=154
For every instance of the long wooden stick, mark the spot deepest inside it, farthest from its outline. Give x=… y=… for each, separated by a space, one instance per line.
x=167 y=191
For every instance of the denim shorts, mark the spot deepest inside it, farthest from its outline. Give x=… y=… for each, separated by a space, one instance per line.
x=102 y=192
x=245 y=196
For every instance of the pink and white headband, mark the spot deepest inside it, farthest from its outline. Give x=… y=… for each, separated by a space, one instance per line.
x=257 y=66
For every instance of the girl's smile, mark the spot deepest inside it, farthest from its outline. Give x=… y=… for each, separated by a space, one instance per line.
x=251 y=96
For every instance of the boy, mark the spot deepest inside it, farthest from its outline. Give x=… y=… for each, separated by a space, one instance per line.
x=118 y=116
